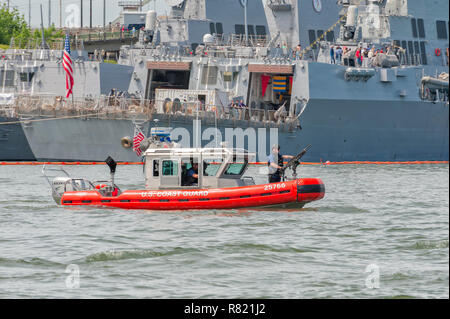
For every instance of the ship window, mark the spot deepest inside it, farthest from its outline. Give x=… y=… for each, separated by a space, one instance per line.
x=219 y=28
x=239 y=29
x=416 y=47
x=421 y=27
x=251 y=30
x=312 y=37
x=404 y=45
x=7 y=78
x=414 y=28
x=410 y=51
x=441 y=28
x=423 y=53
x=170 y=168
x=261 y=30
x=212 y=28
x=330 y=36
x=26 y=77
x=228 y=76
x=209 y=75
x=319 y=34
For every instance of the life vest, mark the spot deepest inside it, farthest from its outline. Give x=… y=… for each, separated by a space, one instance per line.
x=280 y=163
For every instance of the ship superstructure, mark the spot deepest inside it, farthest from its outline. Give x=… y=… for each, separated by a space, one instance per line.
x=369 y=82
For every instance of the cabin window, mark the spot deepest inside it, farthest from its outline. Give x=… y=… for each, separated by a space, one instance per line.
x=414 y=28
x=441 y=28
x=261 y=30
x=170 y=168
x=209 y=75
x=421 y=26
x=156 y=168
x=219 y=28
x=211 y=166
x=212 y=28
x=7 y=78
x=186 y=165
x=235 y=169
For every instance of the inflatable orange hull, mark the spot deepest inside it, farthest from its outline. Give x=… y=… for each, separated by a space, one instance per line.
x=296 y=193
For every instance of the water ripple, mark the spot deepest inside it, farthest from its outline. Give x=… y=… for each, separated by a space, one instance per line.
x=371 y=216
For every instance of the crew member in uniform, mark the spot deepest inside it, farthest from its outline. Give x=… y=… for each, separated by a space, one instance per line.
x=276 y=164
x=192 y=175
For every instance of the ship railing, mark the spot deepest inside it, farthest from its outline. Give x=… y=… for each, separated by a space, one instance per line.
x=213 y=111
x=240 y=40
x=127 y=107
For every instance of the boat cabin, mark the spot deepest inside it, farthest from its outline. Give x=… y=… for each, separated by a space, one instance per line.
x=196 y=168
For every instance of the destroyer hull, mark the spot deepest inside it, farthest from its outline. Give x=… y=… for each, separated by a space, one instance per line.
x=13 y=143
x=339 y=130
x=347 y=130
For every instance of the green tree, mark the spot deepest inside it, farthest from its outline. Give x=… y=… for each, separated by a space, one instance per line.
x=12 y=24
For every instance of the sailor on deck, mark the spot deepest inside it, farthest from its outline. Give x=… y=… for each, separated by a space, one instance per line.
x=276 y=164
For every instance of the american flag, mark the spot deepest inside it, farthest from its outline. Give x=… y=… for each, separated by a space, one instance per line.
x=137 y=140
x=67 y=65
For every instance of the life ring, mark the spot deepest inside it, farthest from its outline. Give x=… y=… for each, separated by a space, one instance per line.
x=127 y=142
x=437 y=52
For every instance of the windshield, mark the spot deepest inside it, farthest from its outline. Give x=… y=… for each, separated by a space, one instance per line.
x=211 y=166
x=235 y=169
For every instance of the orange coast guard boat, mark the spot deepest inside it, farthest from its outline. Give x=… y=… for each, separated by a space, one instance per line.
x=187 y=179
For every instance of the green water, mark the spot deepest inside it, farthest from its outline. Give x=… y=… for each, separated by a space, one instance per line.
x=380 y=232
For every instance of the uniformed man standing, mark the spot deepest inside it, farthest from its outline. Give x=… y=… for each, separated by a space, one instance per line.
x=276 y=164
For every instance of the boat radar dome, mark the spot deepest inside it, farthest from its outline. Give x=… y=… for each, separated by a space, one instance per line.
x=208 y=39
x=150 y=20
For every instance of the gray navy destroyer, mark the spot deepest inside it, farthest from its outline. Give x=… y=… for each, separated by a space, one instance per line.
x=359 y=80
